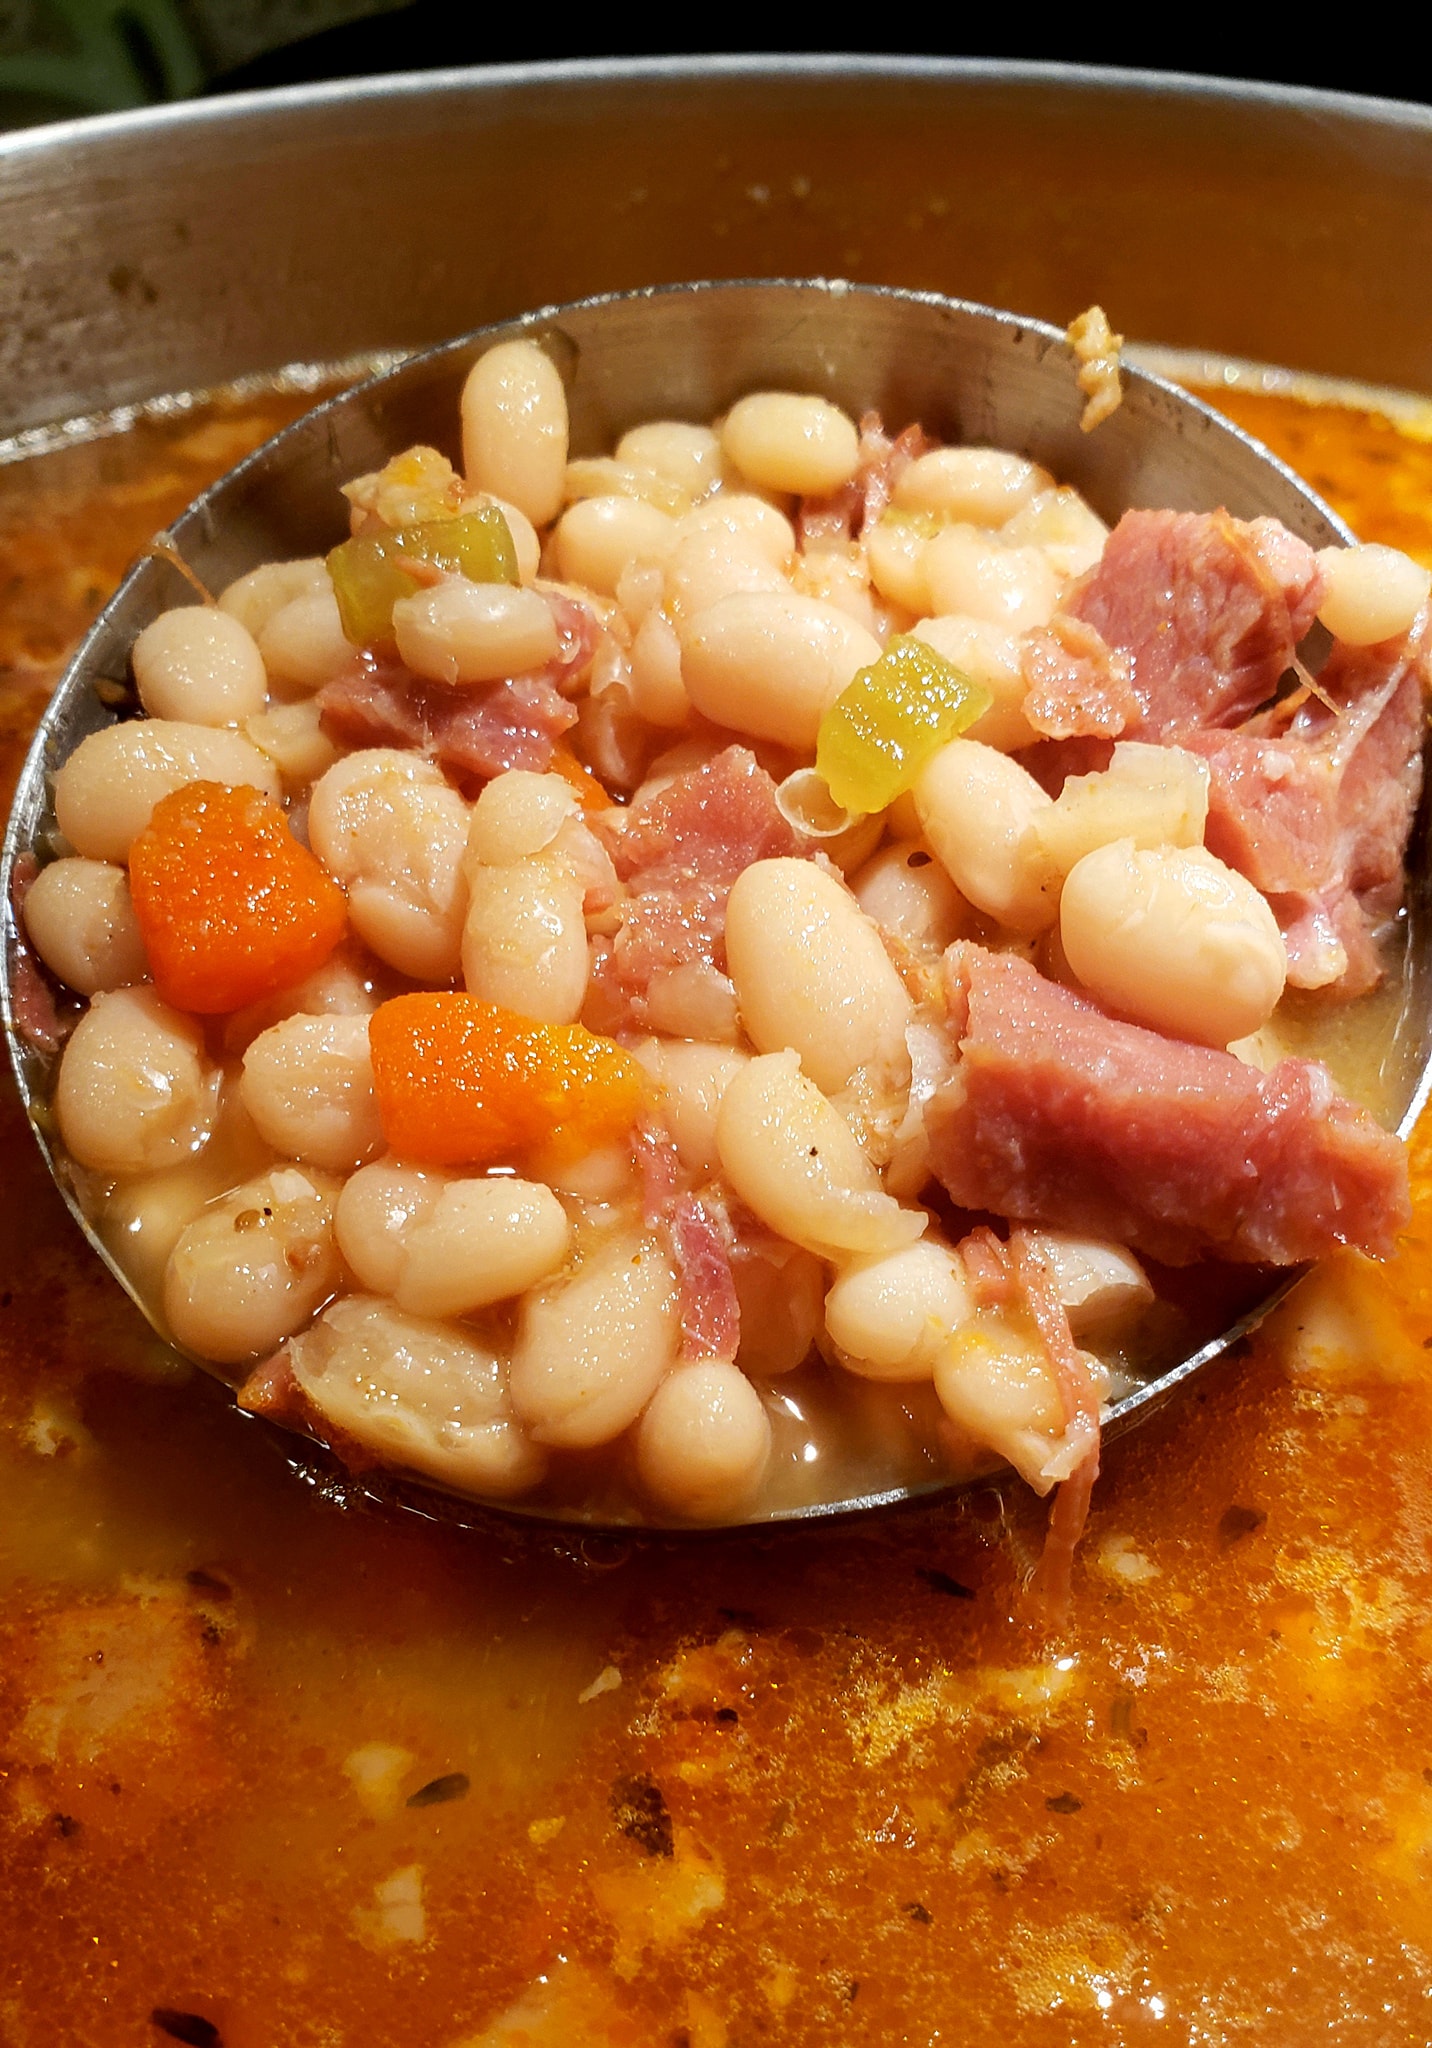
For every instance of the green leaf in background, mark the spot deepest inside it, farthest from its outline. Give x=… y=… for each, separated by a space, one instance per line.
x=64 y=57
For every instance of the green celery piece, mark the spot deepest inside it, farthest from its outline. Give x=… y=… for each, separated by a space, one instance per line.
x=369 y=577
x=477 y=545
x=887 y=722
x=368 y=580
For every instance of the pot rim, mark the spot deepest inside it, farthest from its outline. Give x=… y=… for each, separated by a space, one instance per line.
x=459 y=81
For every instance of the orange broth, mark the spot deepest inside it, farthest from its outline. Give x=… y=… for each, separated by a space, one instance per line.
x=277 y=1767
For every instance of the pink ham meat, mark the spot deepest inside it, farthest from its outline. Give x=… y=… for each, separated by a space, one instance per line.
x=472 y=734
x=710 y=1307
x=1076 y=687
x=678 y=854
x=847 y=513
x=1209 y=610
x=1058 y=1114
x=1314 y=801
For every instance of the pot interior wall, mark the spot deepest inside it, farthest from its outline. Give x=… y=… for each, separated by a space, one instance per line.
x=178 y=249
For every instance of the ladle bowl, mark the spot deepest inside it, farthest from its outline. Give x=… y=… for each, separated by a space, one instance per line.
x=966 y=372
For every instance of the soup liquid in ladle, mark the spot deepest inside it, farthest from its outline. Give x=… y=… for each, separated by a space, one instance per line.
x=277 y=1772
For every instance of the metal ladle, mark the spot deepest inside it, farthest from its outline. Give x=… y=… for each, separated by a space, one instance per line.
x=967 y=373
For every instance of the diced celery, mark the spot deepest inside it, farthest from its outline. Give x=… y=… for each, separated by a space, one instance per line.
x=889 y=720
x=477 y=545
x=369 y=576
x=368 y=580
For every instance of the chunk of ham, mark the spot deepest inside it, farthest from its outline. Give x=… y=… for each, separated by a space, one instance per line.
x=1314 y=801
x=1059 y=1114
x=678 y=854
x=472 y=734
x=1077 y=687
x=1209 y=610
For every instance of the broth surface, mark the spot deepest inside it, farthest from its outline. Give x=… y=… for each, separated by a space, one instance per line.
x=279 y=1766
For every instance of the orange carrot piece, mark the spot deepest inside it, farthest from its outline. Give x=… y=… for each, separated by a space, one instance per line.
x=465 y=1083
x=231 y=906
x=589 y=791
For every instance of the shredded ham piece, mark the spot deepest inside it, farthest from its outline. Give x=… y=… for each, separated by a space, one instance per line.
x=1052 y=1584
x=710 y=1307
x=987 y=1266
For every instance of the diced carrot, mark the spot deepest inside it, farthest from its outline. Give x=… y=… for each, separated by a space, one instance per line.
x=565 y=763
x=465 y=1083
x=231 y=906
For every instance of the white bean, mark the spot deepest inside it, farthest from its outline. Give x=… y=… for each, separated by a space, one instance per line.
x=770 y=663
x=781 y=1290
x=990 y=656
x=107 y=789
x=81 y=922
x=198 y=663
x=693 y=1001
x=253 y=599
x=985 y=486
x=514 y=428
x=1011 y=587
x=459 y=632
x=420 y=1394
x=1070 y=532
x=895 y=550
x=1152 y=795
x=1174 y=939
x=292 y=737
x=524 y=941
x=593 y=1348
x=789 y=441
x=995 y=1382
x=691 y=1079
x=142 y=1219
x=517 y=814
x=344 y=986
x=598 y=538
x=601 y=476
x=1374 y=593
x=704 y=1442
x=889 y=1315
x=481 y=1241
x=840 y=575
x=908 y=894
x=526 y=543
x=377 y=1208
x=811 y=973
x=790 y=1156
x=977 y=807
x=389 y=827
x=303 y=645
x=135 y=1090
x=252 y=1268
x=741 y=516
x=308 y=1085
x=1099 y=1284
x=707 y=566
x=657 y=689
x=687 y=456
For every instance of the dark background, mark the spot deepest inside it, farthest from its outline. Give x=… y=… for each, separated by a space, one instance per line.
x=61 y=58
x=427 y=34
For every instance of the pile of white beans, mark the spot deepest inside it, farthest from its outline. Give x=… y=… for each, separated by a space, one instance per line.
x=483 y=1329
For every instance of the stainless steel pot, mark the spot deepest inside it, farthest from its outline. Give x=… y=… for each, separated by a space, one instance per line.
x=181 y=247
